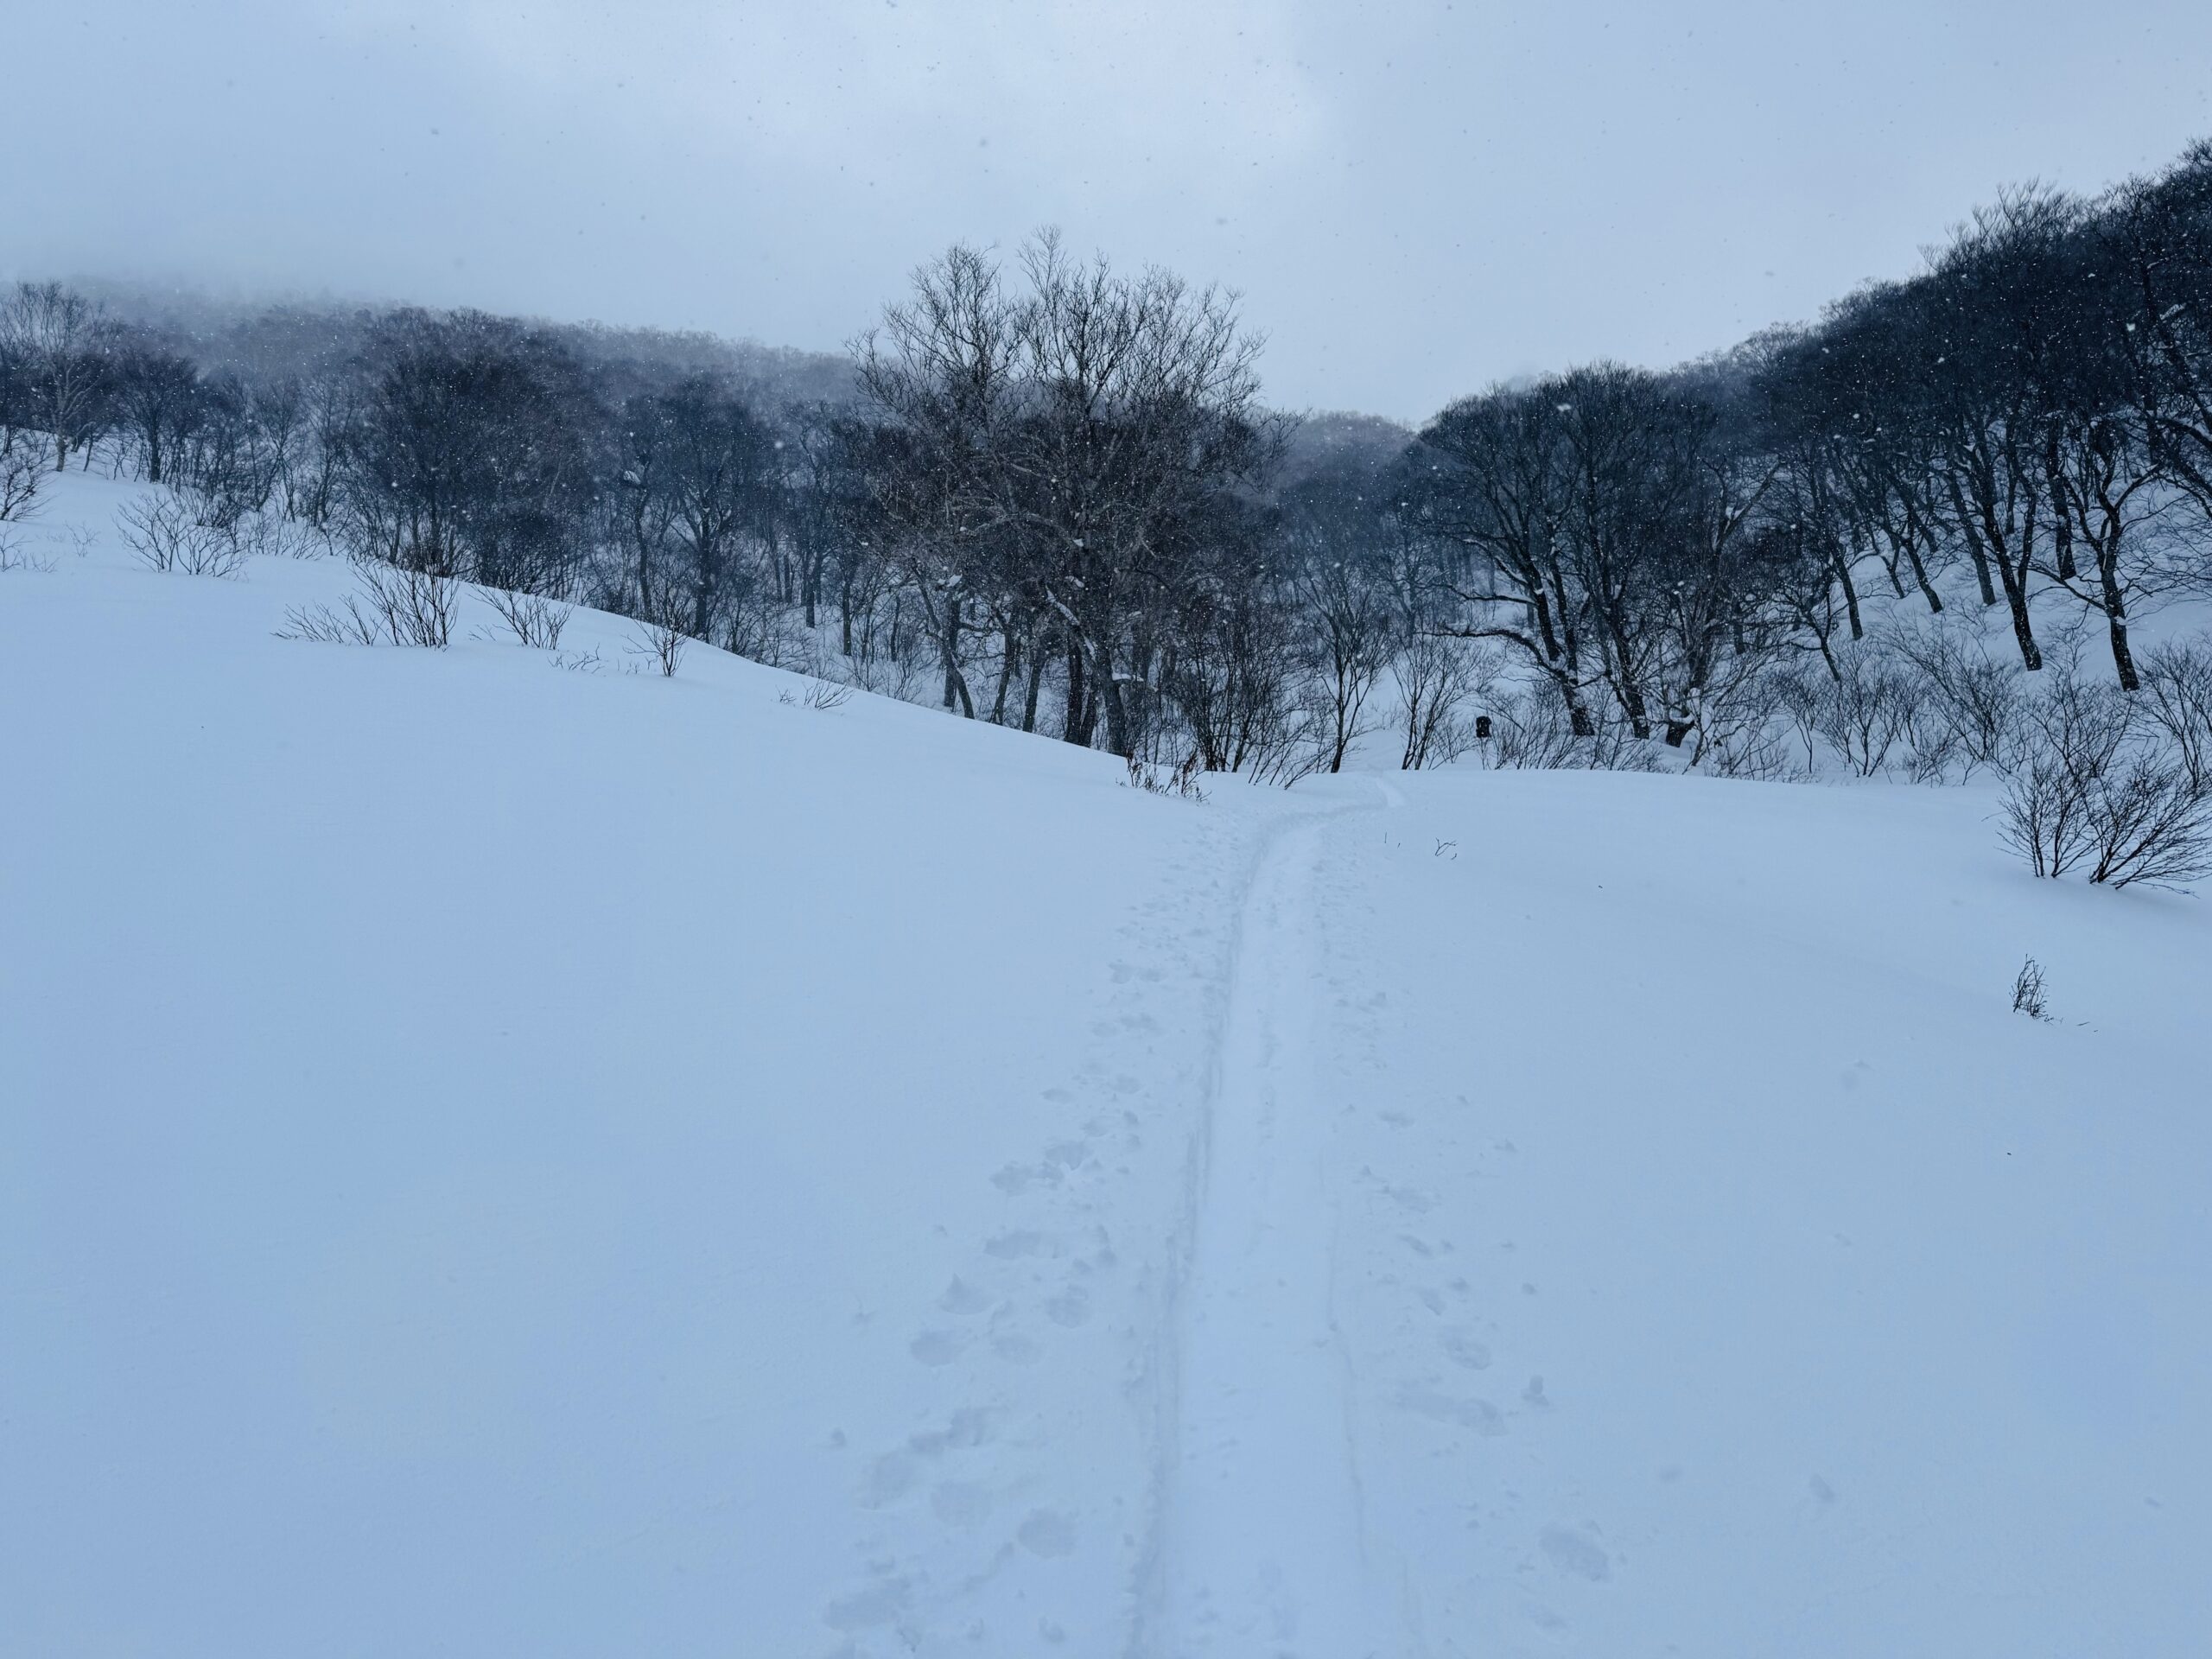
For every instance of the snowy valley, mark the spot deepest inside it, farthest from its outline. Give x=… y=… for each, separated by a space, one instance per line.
x=505 y=1152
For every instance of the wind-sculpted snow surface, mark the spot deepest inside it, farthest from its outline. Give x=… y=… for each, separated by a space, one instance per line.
x=495 y=1160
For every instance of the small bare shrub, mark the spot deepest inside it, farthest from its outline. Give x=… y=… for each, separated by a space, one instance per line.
x=1530 y=730
x=2027 y=991
x=23 y=474
x=1181 y=780
x=2097 y=781
x=534 y=620
x=2045 y=816
x=1868 y=709
x=1533 y=730
x=886 y=675
x=13 y=558
x=1973 y=697
x=2177 y=696
x=2074 y=736
x=1797 y=692
x=166 y=535
x=1437 y=676
x=394 y=607
x=2149 y=821
x=268 y=534
x=826 y=693
x=1753 y=751
x=664 y=642
x=344 y=624
x=417 y=606
x=1933 y=746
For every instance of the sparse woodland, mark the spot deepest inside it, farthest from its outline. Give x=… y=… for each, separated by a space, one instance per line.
x=1915 y=539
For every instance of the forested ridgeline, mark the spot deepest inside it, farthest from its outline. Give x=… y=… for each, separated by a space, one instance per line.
x=1915 y=537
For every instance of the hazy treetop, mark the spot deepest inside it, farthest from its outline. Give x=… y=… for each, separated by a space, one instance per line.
x=1416 y=196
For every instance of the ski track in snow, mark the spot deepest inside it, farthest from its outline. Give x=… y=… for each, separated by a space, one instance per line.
x=1256 y=1544
x=1247 y=1537
x=1047 y=1344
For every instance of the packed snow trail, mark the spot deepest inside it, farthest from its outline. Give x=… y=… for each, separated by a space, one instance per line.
x=1258 y=1545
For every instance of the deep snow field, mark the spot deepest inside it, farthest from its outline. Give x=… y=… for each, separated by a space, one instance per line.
x=497 y=1160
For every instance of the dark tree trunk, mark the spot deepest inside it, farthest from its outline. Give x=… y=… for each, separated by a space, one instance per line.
x=2016 y=599
x=1849 y=601
x=2062 y=533
x=2115 y=605
x=1075 y=727
x=1036 y=685
x=1118 y=735
x=1631 y=694
x=1578 y=712
x=1920 y=575
x=956 y=683
x=1981 y=571
x=1009 y=660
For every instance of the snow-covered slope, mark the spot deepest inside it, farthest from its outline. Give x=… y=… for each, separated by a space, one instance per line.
x=496 y=1160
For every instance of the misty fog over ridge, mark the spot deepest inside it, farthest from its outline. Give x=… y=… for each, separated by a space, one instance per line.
x=1417 y=197
x=242 y=332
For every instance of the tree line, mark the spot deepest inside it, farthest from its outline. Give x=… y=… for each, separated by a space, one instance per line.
x=1049 y=493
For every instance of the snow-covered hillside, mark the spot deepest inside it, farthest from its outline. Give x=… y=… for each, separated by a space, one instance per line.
x=502 y=1160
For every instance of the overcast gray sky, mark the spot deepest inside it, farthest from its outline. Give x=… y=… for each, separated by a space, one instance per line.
x=1415 y=197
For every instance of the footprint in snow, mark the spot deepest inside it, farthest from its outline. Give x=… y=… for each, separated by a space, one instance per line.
x=1070 y=1308
x=963 y=1298
x=889 y=1478
x=1047 y=1533
x=881 y=1603
x=938 y=1347
x=1462 y=1347
x=961 y=1504
x=1574 y=1553
x=1478 y=1415
x=967 y=1428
